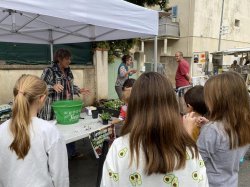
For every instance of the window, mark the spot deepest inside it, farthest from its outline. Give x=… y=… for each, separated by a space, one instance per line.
x=174 y=11
x=237 y=23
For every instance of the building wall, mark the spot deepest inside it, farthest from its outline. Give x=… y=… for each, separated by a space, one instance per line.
x=200 y=24
x=186 y=23
x=207 y=18
x=83 y=77
x=94 y=77
x=149 y=50
x=101 y=63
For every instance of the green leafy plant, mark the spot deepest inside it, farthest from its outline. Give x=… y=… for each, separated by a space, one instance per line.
x=105 y=115
x=161 y=3
x=114 y=104
x=101 y=45
x=116 y=48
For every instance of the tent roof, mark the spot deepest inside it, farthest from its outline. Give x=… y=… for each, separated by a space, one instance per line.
x=64 y=21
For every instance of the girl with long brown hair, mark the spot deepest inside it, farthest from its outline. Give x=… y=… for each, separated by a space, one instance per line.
x=225 y=139
x=154 y=149
x=32 y=150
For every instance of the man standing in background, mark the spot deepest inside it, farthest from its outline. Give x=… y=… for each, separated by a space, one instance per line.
x=235 y=66
x=182 y=77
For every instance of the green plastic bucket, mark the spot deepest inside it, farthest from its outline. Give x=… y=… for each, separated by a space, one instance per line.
x=67 y=111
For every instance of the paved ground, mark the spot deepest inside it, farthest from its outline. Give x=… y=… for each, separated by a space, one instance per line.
x=244 y=174
x=83 y=172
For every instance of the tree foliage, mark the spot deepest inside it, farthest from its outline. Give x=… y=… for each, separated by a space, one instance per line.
x=161 y=3
x=116 y=48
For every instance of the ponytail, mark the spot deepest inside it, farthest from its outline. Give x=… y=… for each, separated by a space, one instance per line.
x=20 y=126
x=27 y=91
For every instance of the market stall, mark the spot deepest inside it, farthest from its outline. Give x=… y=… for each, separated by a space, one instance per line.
x=61 y=21
x=242 y=54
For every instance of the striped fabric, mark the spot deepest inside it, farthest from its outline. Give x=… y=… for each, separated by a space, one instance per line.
x=53 y=75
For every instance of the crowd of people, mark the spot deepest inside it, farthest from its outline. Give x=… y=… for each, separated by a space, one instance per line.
x=217 y=129
x=157 y=145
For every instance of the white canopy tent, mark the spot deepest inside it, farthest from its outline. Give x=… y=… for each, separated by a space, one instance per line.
x=62 y=21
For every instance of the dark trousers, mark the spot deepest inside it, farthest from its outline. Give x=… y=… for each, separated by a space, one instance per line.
x=118 y=90
x=71 y=148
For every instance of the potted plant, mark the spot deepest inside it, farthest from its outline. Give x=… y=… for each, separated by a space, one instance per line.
x=105 y=116
x=111 y=106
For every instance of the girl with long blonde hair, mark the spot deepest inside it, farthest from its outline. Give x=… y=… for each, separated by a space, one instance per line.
x=224 y=140
x=32 y=150
x=154 y=148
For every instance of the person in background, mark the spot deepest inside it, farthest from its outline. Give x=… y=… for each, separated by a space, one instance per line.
x=32 y=151
x=183 y=80
x=224 y=140
x=60 y=84
x=235 y=66
x=60 y=81
x=123 y=74
x=182 y=76
x=161 y=69
x=154 y=148
x=194 y=99
x=126 y=89
x=247 y=62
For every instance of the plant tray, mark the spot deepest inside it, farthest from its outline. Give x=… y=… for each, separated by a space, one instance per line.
x=114 y=113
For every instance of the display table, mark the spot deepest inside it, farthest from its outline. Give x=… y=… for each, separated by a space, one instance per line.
x=82 y=129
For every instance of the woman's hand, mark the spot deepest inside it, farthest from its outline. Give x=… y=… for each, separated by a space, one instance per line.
x=133 y=71
x=201 y=121
x=58 y=88
x=84 y=91
x=116 y=121
x=190 y=122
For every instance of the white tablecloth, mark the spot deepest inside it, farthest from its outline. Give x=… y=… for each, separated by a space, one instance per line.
x=80 y=130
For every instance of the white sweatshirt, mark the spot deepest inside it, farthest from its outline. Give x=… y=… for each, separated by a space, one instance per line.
x=117 y=173
x=45 y=165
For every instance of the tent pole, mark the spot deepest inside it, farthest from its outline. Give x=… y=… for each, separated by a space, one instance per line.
x=51 y=52
x=51 y=45
x=155 y=54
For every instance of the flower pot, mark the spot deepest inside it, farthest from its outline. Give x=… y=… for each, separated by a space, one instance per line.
x=94 y=114
x=105 y=121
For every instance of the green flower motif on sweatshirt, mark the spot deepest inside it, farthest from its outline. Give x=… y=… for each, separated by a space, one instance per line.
x=201 y=163
x=171 y=179
x=196 y=176
x=123 y=152
x=135 y=179
x=113 y=175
